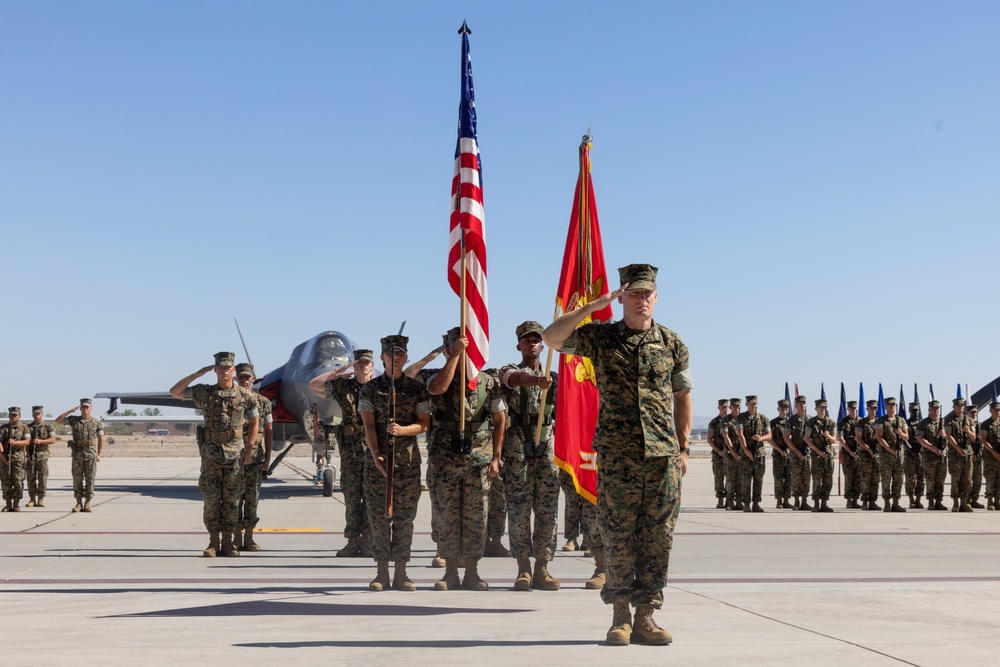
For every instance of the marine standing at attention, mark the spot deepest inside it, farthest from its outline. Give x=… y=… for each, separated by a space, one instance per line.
x=913 y=465
x=930 y=435
x=643 y=427
x=226 y=407
x=260 y=460
x=337 y=386
x=15 y=438
x=820 y=434
x=864 y=435
x=849 y=455
x=397 y=408
x=989 y=436
x=87 y=445
x=718 y=445
x=781 y=457
x=756 y=431
x=730 y=425
x=799 y=460
x=891 y=433
x=958 y=433
x=42 y=437
x=976 y=484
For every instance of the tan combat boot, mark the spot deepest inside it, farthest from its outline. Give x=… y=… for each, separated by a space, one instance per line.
x=495 y=549
x=31 y=502
x=954 y=504
x=227 y=547
x=620 y=633
x=365 y=543
x=401 y=582
x=570 y=545
x=472 y=581
x=438 y=560
x=248 y=543
x=597 y=579
x=645 y=630
x=16 y=507
x=450 y=580
x=78 y=507
x=86 y=505
x=41 y=501
x=213 y=546
x=542 y=580
x=350 y=550
x=381 y=580
x=523 y=581
x=238 y=538
x=963 y=507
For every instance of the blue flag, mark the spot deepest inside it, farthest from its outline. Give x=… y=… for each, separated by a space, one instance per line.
x=916 y=399
x=843 y=404
x=881 y=402
x=861 y=397
x=958 y=390
x=788 y=397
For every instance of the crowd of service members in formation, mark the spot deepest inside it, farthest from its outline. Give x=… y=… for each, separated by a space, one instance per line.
x=890 y=453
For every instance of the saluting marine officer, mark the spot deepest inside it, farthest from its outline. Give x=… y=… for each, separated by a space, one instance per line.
x=87 y=445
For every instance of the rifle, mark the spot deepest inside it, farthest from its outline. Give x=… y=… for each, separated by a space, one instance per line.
x=390 y=440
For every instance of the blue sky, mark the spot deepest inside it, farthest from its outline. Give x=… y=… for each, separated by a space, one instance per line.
x=816 y=181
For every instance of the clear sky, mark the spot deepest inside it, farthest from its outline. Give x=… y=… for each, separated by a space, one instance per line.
x=818 y=182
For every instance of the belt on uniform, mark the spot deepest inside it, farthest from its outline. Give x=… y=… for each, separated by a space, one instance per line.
x=41 y=448
x=531 y=420
x=224 y=435
x=470 y=427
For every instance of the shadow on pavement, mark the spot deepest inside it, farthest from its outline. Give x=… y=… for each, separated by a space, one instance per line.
x=277 y=608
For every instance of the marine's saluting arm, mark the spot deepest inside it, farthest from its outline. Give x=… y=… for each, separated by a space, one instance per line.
x=177 y=391
x=556 y=333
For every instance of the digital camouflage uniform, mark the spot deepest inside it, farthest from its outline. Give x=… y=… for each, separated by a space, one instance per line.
x=531 y=478
x=85 y=435
x=868 y=470
x=991 y=466
x=890 y=465
x=38 y=464
x=731 y=423
x=353 y=455
x=225 y=411
x=423 y=377
x=463 y=483
x=718 y=462
x=913 y=464
x=13 y=472
x=822 y=466
x=638 y=454
x=976 y=482
x=253 y=472
x=799 y=467
x=580 y=512
x=393 y=537
x=959 y=467
x=781 y=465
x=850 y=464
x=935 y=465
x=752 y=470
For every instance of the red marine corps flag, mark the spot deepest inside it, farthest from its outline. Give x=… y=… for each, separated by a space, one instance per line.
x=467 y=240
x=583 y=279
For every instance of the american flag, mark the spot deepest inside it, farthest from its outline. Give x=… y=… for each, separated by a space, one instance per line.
x=468 y=225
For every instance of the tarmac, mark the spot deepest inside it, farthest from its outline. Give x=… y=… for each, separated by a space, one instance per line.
x=125 y=584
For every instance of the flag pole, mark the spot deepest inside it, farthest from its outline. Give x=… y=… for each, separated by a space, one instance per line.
x=461 y=332
x=548 y=371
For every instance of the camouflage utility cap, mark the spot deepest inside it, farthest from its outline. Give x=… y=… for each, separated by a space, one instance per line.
x=995 y=404
x=890 y=401
x=453 y=335
x=86 y=402
x=638 y=276
x=735 y=402
x=225 y=359
x=390 y=343
x=244 y=369
x=934 y=404
x=800 y=399
x=723 y=402
x=914 y=406
x=871 y=404
x=529 y=327
x=783 y=403
x=958 y=401
x=14 y=410
x=37 y=410
x=820 y=403
x=852 y=404
x=751 y=399
x=362 y=355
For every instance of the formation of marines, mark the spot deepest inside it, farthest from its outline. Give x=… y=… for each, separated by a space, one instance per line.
x=912 y=456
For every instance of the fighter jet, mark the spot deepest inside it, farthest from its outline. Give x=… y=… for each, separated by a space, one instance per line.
x=299 y=415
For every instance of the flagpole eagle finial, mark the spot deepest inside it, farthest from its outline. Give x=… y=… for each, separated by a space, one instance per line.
x=465 y=29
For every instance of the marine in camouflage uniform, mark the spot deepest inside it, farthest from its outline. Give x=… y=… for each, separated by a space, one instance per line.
x=929 y=435
x=892 y=434
x=579 y=515
x=531 y=477
x=395 y=409
x=641 y=442
x=260 y=460
x=913 y=465
x=958 y=433
x=465 y=460
x=755 y=432
x=976 y=483
x=989 y=437
x=350 y=433
x=496 y=521
x=42 y=437
x=87 y=444
x=718 y=445
x=226 y=408
x=864 y=435
x=849 y=458
x=820 y=434
x=781 y=458
x=15 y=437
x=730 y=435
x=799 y=450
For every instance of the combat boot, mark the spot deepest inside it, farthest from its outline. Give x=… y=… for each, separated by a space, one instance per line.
x=450 y=580
x=438 y=560
x=747 y=507
x=7 y=508
x=598 y=578
x=401 y=582
x=41 y=501
x=570 y=545
x=917 y=504
x=472 y=581
x=86 y=505
x=76 y=508
x=804 y=505
x=227 y=548
x=213 y=546
x=912 y=504
x=864 y=505
x=620 y=633
x=816 y=505
x=954 y=504
x=873 y=506
x=787 y=505
x=381 y=580
x=896 y=507
x=757 y=507
x=963 y=507
x=976 y=505
x=238 y=538
x=797 y=503
x=542 y=580
x=779 y=505
x=248 y=543
x=888 y=505
x=990 y=503
x=523 y=580
x=825 y=507
x=350 y=550
x=16 y=508
x=31 y=502
x=645 y=630
x=365 y=541
x=496 y=549
x=721 y=504
x=738 y=506
x=938 y=505
x=729 y=503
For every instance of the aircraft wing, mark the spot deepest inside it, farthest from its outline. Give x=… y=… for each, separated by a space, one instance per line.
x=144 y=398
x=984 y=396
